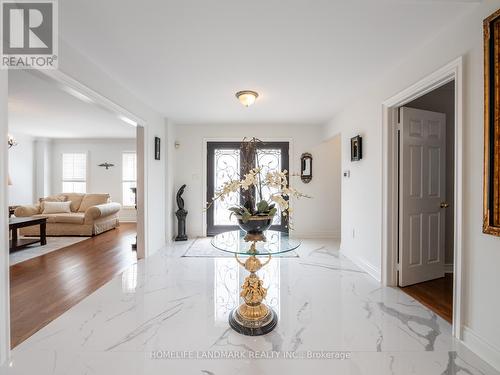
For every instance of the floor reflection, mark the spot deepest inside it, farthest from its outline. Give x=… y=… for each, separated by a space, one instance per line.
x=129 y=279
x=229 y=276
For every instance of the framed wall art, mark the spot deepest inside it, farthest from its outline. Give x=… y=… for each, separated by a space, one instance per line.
x=491 y=181
x=356 y=148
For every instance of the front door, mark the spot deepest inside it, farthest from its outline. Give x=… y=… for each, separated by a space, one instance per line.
x=224 y=162
x=422 y=181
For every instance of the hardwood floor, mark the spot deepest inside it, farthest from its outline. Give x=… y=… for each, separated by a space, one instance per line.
x=43 y=288
x=437 y=295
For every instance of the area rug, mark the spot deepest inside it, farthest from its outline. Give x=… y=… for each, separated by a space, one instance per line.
x=202 y=248
x=35 y=250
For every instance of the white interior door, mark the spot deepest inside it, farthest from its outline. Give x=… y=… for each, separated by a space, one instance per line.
x=422 y=192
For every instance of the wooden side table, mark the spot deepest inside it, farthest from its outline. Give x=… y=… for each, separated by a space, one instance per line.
x=19 y=222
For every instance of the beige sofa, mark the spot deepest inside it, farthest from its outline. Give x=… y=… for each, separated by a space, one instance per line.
x=91 y=214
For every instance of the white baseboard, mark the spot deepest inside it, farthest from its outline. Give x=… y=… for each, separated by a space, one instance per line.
x=127 y=215
x=448 y=268
x=369 y=268
x=315 y=235
x=481 y=347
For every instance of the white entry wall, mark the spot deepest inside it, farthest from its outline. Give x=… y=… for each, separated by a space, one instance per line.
x=362 y=193
x=316 y=217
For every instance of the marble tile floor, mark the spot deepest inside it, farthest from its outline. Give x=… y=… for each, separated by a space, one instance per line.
x=168 y=315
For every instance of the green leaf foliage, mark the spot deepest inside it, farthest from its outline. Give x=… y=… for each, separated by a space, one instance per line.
x=262 y=207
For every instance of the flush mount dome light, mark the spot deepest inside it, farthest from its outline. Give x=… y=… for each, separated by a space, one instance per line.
x=247 y=97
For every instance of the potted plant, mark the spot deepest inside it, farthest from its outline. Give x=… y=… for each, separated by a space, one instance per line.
x=256 y=212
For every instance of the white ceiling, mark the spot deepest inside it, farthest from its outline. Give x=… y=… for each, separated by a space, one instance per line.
x=305 y=57
x=41 y=108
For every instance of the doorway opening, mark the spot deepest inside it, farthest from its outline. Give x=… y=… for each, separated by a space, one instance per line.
x=225 y=162
x=392 y=218
x=426 y=128
x=76 y=195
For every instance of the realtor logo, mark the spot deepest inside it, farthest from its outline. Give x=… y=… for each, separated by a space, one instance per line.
x=29 y=34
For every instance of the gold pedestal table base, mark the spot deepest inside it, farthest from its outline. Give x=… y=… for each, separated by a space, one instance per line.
x=253 y=317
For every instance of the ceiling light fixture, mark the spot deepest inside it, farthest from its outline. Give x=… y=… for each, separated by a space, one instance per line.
x=247 y=97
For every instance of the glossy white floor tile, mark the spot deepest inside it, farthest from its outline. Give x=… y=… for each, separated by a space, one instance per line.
x=172 y=306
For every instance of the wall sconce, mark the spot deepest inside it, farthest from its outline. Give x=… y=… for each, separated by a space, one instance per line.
x=306 y=162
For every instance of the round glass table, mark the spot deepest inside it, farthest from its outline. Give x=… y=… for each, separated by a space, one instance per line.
x=253 y=317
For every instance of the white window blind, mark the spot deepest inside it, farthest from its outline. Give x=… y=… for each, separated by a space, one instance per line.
x=129 y=178
x=74 y=172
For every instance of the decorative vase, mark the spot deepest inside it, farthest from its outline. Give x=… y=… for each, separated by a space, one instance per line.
x=256 y=225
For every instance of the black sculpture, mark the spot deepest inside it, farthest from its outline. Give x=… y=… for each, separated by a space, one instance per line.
x=181 y=214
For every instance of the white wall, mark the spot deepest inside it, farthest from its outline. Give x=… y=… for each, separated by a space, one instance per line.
x=319 y=216
x=361 y=198
x=21 y=170
x=76 y=65
x=43 y=171
x=99 y=179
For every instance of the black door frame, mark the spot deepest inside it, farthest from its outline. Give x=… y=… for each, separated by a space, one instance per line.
x=212 y=229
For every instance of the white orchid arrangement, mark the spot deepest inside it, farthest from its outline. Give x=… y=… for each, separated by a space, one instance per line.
x=250 y=188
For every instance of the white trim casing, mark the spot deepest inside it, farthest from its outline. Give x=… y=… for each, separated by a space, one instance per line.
x=4 y=237
x=448 y=268
x=142 y=172
x=448 y=73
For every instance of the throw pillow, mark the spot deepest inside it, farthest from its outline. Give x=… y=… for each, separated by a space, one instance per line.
x=52 y=198
x=56 y=207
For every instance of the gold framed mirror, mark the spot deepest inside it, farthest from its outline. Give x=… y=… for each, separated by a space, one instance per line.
x=491 y=201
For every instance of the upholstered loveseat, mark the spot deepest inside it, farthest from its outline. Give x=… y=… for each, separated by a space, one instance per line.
x=90 y=214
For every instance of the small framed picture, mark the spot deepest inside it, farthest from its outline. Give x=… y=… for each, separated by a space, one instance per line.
x=157 y=148
x=356 y=148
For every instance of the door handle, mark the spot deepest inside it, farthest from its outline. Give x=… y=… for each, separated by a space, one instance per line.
x=444 y=205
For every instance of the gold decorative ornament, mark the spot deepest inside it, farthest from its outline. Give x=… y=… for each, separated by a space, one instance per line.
x=253 y=317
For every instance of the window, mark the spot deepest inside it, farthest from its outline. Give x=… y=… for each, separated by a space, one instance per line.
x=74 y=173
x=129 y=178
